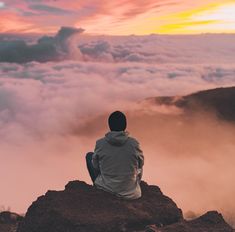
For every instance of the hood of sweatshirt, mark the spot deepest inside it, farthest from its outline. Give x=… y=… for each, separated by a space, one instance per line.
x=117 y=138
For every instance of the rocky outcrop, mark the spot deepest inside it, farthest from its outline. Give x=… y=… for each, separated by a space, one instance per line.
x=82 y=208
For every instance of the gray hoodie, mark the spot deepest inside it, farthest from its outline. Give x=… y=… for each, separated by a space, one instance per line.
x=120 y=161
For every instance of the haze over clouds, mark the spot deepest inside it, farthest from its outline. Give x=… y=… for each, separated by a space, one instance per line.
x=51 y=114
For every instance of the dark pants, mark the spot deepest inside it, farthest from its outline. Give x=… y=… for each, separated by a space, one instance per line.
x=92 y=171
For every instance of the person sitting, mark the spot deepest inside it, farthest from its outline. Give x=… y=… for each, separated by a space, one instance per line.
x=116 y=165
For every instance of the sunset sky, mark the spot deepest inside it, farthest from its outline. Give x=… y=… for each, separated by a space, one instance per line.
x=118 y=17
x=57 y=91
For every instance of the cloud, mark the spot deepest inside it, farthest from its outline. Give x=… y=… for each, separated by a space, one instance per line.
x=33 y=1
x=135 y=9
x=108 y=69
x=51 y=113
x=47 y=48
x=49 y=9
x=60 y=86
x=70 y=43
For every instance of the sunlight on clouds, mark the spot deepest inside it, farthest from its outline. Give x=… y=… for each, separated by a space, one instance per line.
x=213 y=17
x=223 y=15
x=184 y=20
x=164 y=17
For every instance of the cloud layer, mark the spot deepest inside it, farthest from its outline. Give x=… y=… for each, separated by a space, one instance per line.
x=70 y=44
x=51 y=113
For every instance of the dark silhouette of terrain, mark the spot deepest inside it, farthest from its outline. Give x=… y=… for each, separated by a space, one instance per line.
x=82 y=208
x=221 y=101
x=9 y=221
x=211 y=221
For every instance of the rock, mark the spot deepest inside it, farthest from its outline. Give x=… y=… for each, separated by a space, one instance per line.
x=7 y=217
x=9 y=221
x=82 y=208
x=212 y=221
x=7 y=228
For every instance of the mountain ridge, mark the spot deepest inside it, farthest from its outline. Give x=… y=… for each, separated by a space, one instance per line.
x=220 y=101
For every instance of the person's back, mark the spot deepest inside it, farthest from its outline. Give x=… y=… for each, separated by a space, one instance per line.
x=117 y=160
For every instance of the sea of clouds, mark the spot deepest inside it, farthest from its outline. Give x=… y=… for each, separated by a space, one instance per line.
x=56 y=93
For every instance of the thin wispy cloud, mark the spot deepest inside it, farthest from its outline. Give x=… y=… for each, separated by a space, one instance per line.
x=49 y=9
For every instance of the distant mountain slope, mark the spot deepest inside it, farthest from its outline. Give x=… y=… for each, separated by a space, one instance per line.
x=220 y=100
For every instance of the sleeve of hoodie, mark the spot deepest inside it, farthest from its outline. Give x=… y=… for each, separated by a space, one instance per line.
x=140 y=157
x=95 y=157
x=139 y=153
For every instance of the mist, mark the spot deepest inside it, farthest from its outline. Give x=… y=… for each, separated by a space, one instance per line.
x=190 y=157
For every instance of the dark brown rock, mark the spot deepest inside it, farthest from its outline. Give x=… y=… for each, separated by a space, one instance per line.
x=82 y=207
x=7 y=228
x=9 y=221
x=210 y=222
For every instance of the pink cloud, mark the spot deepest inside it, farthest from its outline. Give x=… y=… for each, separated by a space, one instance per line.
x=52 y=113
x=48 y=16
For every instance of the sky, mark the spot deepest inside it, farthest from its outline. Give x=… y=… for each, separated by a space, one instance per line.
x=57 y=91
x=121 y=17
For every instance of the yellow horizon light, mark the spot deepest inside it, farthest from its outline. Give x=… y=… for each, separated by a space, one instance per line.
x=214 y=18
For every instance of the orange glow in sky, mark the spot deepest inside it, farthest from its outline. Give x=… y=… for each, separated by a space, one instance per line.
x=121 y=17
